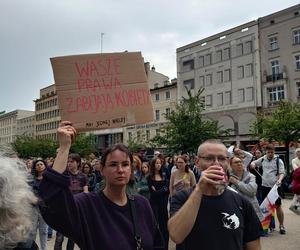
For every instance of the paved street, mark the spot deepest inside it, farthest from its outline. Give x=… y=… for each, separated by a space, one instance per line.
x=275 y=241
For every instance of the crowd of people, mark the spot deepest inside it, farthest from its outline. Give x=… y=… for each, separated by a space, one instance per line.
x=121 y=201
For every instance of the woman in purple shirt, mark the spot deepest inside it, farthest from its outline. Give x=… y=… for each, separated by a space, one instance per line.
x=100 y=220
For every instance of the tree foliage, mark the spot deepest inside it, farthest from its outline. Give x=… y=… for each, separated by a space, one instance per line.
x=31 y=147
x=84 y=145
x=187 y=128
x=283 y=125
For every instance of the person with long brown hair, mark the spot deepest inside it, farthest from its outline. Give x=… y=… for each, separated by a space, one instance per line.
x=159 y=191
x=183 y=177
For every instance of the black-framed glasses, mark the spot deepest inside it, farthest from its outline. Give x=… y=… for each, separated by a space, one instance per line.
x=213 y=158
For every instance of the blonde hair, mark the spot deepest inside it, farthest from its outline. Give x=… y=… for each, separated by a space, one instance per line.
x=16 y=202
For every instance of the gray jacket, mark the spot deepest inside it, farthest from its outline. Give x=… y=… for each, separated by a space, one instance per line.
x=247 y=187
x=270 y=177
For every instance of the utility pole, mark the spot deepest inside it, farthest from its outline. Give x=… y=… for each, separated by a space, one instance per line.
x=102 y=34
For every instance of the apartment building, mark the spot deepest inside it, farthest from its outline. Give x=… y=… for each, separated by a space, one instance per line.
x=227 y=66
x=47 y=113
x=26 y=126
x=280 y=56
x=164 y=97
x=9 y=124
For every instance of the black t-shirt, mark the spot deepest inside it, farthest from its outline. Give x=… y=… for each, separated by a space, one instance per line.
x=227 y=221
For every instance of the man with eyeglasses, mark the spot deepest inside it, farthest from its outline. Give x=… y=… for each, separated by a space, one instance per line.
x=212 y=216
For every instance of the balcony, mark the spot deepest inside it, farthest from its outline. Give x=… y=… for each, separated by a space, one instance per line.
x=273 y=78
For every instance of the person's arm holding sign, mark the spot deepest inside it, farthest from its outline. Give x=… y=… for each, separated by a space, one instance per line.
x=61 y=211
x=66 y=134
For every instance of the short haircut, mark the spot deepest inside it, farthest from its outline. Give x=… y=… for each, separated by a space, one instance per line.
x=209 y=141
x=75 y=157
x=297 y=150
x=270 y=147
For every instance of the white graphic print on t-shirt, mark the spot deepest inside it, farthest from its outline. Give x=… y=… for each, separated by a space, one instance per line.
x=230 y=221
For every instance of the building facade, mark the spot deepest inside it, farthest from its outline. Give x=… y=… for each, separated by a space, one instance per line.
x=26 y=126
x=47 y=113
x=9 y=124
x=164 y=97
x=227 y=66
x=280 y=56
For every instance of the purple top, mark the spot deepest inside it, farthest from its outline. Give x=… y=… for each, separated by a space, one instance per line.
x=91 y=220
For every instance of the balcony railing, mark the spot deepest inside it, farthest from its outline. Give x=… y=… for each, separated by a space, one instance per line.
x=272 y=78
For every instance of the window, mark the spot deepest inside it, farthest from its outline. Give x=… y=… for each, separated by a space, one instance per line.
x=155 y=85
x=240 y=72
x=157 y=115
x=147 y=135
x=297 y=58
x=219 y=56
x=201 y=61
x=207 y=60
x=248 y=47
x=227 y=75
x=241 y=95
x=249 y=94
x=273 y=43
x=188 y=65
x=298 y=88
x=201 y=81
x=168 y=112
x=168 y=95
x=275 y=68
x=226 y=54
x=220 y=99
x=249 y=70
x=139 y=135
x=157 y=97
x=227 y=97
x=157 y=131
x=276 y=93
x=190 y=84
x=208 y=100
x=296 y=35
x=239 y=49
x=219 y=76
x=208 y=80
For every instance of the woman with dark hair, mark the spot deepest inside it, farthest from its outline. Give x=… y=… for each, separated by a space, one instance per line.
x=38 y=168
x=87 y=169
x=159 y=191
x=102 y=220
x=183 y=177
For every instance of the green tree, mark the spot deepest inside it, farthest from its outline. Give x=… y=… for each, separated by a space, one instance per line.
x=28 y=146
x=84 y=145
x=283 y=125
x=187 y=128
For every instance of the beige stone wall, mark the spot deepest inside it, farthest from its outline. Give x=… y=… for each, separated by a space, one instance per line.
x=278 y=29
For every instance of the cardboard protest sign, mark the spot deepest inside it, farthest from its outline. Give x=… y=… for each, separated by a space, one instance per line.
x=97 y=91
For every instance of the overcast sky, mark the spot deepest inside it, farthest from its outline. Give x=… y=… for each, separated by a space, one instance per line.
x=32 y=31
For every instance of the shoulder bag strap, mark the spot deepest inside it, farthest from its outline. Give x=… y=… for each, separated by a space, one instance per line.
x=137 y=236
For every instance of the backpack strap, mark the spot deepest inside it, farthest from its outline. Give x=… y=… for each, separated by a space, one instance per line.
x=137 y=236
